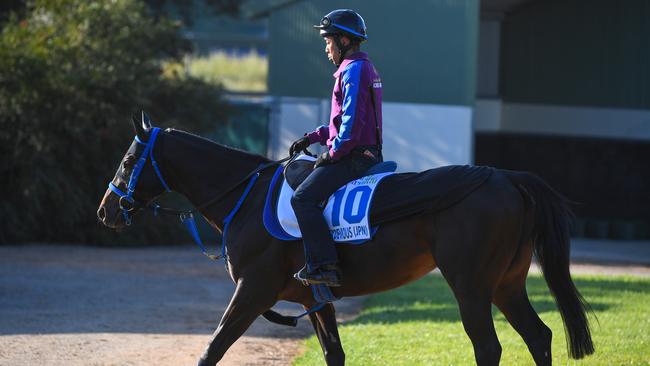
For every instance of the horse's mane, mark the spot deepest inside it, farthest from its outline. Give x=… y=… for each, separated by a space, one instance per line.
x=210 y=146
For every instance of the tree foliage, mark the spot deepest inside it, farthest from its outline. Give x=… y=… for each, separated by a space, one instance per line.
x=71 y=74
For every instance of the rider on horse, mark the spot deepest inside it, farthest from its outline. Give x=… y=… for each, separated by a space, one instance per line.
x=353 y=140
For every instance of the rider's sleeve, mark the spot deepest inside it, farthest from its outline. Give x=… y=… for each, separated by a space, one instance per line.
x=320 y=135
x=350 y=129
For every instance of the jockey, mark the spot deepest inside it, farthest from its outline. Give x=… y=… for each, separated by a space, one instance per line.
x=353 y=140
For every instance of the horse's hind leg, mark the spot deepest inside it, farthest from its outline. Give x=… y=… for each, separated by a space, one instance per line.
x=513 y=302
x=324 y=322
x=476 y=314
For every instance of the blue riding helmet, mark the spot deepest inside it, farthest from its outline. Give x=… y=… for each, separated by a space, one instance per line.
x=343 y=22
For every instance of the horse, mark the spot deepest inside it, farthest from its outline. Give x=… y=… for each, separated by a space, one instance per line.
x=482 y=245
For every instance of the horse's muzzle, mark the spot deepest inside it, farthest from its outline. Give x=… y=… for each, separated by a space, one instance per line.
x=111 y=217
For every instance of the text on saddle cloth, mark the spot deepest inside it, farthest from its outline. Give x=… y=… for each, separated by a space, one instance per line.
x=346 y=212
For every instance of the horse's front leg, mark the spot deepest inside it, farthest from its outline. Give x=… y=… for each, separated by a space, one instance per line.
x=324 y=322
x=247 y=303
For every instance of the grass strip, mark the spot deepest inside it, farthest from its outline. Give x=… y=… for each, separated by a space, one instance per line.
x=419 y=324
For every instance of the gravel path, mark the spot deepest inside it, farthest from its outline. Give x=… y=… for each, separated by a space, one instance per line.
x=73 y=306
x=70 y=305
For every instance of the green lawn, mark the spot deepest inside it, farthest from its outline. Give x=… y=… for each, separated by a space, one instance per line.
x=419 y=324
x=236 y=73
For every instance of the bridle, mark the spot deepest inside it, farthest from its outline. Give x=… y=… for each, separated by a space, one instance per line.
x=129 y=204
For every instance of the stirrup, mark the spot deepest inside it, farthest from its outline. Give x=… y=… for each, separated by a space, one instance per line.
x=303 y=276
x=300 y=276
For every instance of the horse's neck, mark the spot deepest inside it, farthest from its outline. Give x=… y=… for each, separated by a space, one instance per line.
x=201 y=171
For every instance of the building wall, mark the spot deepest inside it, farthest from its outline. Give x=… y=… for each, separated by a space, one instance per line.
x=574 y=107
x=578 y=52
x=426 y=55
x=487 y=78
x=568 y=67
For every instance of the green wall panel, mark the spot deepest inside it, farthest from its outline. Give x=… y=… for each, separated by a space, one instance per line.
x=247 y=127
x=578 y=52
x=425 y=50
x=210 y=31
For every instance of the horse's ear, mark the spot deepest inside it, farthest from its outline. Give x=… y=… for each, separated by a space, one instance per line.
x=146 y=121
x=139 y=127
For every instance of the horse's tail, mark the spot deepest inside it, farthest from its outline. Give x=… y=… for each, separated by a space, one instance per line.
x=551 y=240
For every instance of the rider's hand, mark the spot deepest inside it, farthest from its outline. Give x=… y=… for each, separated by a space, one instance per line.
x=299 y=145
x=323 y=159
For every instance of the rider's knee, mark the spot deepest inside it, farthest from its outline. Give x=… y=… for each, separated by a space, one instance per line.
x=297 y=198
x=303 y=198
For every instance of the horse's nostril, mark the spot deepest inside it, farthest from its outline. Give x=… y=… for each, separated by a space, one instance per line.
x=101 y=213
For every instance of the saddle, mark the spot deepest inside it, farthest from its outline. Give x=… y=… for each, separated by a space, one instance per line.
x=296 y=171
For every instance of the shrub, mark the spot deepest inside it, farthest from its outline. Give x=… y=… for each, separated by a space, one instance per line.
x=71 y=74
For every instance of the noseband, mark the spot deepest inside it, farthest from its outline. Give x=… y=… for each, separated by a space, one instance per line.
x=128 y=204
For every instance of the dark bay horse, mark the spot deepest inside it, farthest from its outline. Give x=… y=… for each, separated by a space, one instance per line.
x=483 y=247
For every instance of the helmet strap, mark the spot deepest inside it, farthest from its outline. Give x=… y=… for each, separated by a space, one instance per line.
x=342 y=48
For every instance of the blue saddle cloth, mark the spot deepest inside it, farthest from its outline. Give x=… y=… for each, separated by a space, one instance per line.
x=280 y=221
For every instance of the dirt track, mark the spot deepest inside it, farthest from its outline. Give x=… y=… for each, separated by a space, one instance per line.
x=69 y=305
